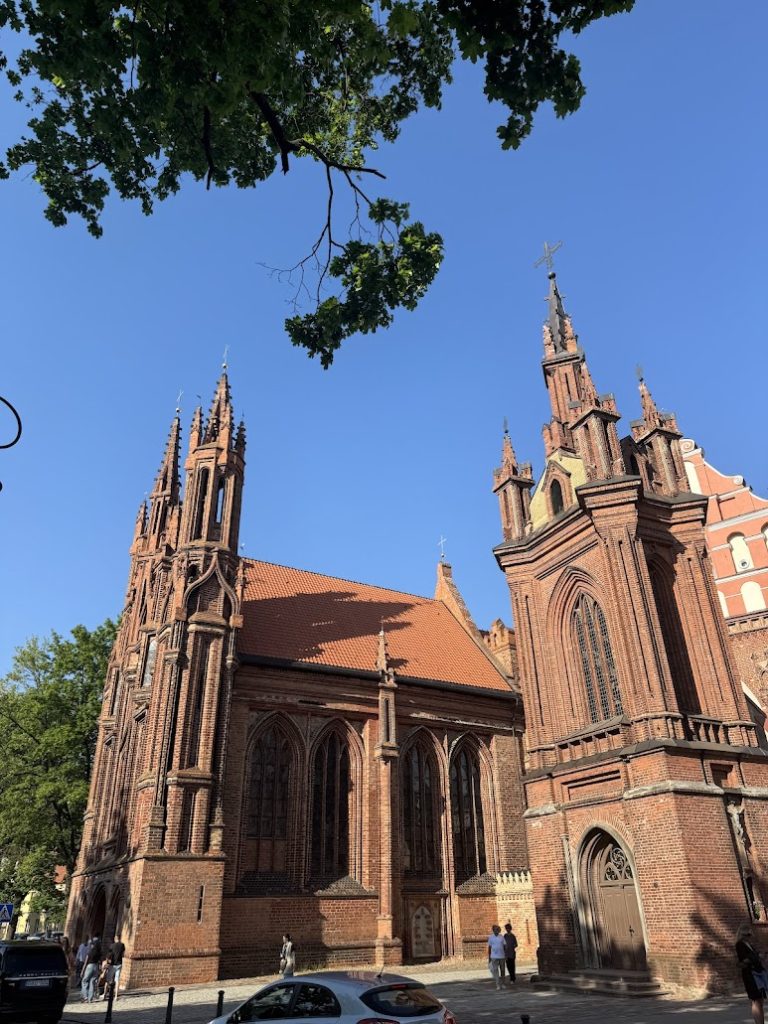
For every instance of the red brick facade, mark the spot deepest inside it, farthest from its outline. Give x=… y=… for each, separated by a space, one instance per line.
x=647 y=792
x=271 y=759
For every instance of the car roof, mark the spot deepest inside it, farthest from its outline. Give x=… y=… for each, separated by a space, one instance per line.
x=24 y=944
x=363 y=980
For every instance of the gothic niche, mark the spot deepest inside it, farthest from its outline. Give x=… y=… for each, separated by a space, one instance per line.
x=743 y=845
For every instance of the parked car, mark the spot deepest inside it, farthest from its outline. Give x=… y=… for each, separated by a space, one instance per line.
x=349 y=997
x=33 y=982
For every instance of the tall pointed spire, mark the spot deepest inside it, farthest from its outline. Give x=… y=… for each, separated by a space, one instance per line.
x=558 y=320
x=649 y=407
x=221 y=416
x=167 y=479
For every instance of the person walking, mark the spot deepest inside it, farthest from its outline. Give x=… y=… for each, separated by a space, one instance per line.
x=510 y=951
x=82 y=953
x=496 y=956
x=117 y=954
x=287 y=957
x=753 y=973
x=90 y=979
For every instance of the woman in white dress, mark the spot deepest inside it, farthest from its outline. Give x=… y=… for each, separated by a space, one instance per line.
x=287 y=957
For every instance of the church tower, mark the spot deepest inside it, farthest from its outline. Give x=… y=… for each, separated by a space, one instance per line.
x=646 y=788
x=155 y=820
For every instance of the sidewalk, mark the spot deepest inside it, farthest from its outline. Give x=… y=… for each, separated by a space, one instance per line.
x=467 y=991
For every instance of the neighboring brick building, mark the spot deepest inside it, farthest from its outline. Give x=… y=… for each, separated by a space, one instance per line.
x=281 y=750
x=737 y=538
x=647 y=792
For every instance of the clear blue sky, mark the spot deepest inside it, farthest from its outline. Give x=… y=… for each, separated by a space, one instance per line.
x=657 y=186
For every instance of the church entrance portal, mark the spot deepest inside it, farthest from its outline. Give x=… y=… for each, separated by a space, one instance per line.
x=613 y=905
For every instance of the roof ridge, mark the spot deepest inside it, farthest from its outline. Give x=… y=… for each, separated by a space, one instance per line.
x=342 y=579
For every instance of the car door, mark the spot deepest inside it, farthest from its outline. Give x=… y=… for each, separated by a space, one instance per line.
x=272 y=1003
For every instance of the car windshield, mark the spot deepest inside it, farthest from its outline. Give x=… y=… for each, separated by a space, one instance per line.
x=33 y=959
x=402 y=1001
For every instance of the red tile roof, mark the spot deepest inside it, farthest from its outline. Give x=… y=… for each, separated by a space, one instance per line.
x=294 y=615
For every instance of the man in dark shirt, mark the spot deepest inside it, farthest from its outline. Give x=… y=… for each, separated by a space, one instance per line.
x=116 y=956
x=510 y=951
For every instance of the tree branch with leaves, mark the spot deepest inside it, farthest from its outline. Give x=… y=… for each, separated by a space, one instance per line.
x=138 y=97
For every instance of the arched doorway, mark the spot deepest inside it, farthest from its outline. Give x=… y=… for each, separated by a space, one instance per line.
x=613 y=914
x=98 y=914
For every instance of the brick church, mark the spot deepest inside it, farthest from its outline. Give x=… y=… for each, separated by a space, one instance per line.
x=280 y=750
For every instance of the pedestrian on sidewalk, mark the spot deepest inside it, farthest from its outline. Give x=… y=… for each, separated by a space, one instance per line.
x=496 y=956
x=753 y=973
x=510 y=951
x=287 y=957
x=90 y=978
x=117 y=954
x=82 y=953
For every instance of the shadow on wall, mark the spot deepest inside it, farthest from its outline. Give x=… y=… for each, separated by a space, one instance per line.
x=703 y=942
x=298 y=627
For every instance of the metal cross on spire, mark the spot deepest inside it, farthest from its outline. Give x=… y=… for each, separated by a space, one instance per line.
x=549 y=251
x=224 y=358
x=178 y=401
x=441 y=544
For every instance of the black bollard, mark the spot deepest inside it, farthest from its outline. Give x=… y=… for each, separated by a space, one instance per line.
x=110 y=1000
x=525 y=1018
x=169 y=1009
x=220 y=1003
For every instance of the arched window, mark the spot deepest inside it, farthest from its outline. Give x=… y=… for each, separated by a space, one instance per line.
x=598 y=667
x=421 y=828
x=752 y=595
x=195 y=713
x=556 y=497
x=330 y=810
x=271 y=772
x=742 y=559
x=149 y=662
x=219 y=501
x=202 y=494
x=764 y=532
x=467 y=814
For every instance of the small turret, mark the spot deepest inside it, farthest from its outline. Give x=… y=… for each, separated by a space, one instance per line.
x=513 y=485
x=655 y=447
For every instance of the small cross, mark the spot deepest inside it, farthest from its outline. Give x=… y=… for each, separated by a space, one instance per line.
x=178 y=401
x=506 y=425
x=224 y=358
x=549 y=251
x=639 y=372
x=441 y=544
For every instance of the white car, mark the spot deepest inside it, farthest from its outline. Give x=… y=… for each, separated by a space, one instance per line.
x=349 y=997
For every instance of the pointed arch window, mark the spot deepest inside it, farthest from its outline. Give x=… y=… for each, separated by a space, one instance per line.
x=596 y=658
x=330 y=810
x=673 y=635
x=556 y=497
x=421 y=831
x=271 y=777
x=202 y=494
x=467 y=816
x=149 y=662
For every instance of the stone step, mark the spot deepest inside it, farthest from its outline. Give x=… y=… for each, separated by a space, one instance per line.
x=613 y=983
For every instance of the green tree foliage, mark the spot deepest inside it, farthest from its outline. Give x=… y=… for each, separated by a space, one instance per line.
x=49 y=708
x=136 y=96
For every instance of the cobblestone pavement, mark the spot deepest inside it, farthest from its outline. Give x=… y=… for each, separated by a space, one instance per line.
x=468 y=992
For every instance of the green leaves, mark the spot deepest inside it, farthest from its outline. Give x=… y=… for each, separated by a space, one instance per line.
x=141 y=99
x=49 y=708
x=376 y=277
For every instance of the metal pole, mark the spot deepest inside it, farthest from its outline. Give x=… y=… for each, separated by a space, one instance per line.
x=525 y=1019
x=220 y=1003
x=110 y=1000
x=169 y=1009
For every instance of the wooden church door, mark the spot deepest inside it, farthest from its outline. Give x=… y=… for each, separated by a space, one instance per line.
x=622 y=929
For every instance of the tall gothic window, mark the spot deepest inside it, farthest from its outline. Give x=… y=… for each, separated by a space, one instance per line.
x=467 y=814
x=330 y=810
x=598 y=667
x=270 y=782
x=195 y=714
x=421 y=833
x=149 y=662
